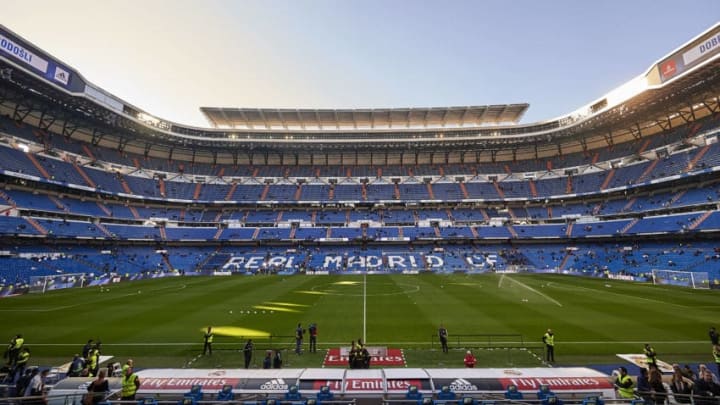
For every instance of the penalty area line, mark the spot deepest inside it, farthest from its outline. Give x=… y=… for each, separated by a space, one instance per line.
x=630 y=296
x=554 y=301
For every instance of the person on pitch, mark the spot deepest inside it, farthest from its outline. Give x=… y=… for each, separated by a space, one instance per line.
x=299 y=333
x=248 y=352
x=207 y=348
x=549 y=340
x=443 y=335
x=312 y=330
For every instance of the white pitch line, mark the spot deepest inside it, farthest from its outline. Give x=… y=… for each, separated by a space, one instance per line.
x=554 y=301
x=85 y=303
x=598 y=342
x=189 y=363
x=605 y=291
x=538 y=358
x=365 y=307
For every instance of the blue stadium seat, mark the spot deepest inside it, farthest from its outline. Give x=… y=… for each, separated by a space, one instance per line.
x=226 y=393
x=195 y=393
x=325 y=394
x=293 y=394
x=551 y=399
x=593 y=400
x=513 y=393
x=445 y=393
x=413 y=393
x=544 y=391
x=147 y=401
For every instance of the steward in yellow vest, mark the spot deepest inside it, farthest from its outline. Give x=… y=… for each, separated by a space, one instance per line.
x=130 y=385
x=624 y=384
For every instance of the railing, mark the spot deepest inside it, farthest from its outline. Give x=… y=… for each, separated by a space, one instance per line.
x=484 y=398
x=475 y=397
x=491 y=340
x=489 y=400
x=254 y=399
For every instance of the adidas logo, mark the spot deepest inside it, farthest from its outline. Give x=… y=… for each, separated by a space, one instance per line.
x=276 y=384
x=462 y=384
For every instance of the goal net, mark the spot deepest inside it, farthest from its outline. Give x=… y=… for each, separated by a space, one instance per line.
x=40 y=284
x=692 y=279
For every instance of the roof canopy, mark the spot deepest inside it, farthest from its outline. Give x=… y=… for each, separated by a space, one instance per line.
x=423 y=118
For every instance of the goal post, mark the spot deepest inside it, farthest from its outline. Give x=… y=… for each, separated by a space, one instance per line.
x=41 y=284
x=691 y=279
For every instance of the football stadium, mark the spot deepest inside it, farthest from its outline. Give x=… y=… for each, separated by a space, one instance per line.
x=400 y=255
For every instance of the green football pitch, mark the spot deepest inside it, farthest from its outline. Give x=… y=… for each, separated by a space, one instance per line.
x=160 y=323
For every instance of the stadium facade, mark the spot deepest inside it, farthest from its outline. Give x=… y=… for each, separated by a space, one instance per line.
x=95 y=185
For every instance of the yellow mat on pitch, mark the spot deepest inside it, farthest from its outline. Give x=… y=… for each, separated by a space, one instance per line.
x=238 y=331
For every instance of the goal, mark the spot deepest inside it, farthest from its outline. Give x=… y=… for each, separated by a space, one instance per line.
x=692 y=279
x=41 y=284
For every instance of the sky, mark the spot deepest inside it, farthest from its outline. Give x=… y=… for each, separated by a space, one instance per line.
x=171 y=57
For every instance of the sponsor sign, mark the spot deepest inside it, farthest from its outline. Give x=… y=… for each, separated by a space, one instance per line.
x=16 y=49
x=61 y=75
x=402 y=385
x=20 y=53
x=269 y=384
x=335 y=385
x=371 y=384
x=152 y=384
x=668 y=69
x=181 y=380
x=558 y=383
x=704 y=49
x=468 y=384
x=363 y=384
x=641 y=361
x=373 y=381
x=623 y=277
x=393 y=357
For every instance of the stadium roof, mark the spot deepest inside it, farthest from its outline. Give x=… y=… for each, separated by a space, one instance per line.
x=425 y=118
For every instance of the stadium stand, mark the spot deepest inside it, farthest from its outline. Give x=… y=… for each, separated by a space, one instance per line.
x=593 y=202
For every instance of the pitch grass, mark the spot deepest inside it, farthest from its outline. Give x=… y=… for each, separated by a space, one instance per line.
x=160 y=323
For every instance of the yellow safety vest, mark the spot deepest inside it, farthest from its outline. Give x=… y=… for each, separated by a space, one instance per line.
x=18 y=343
x=128 y=385
x=625 y=392
x=549 y=339
x=650 y=356
x=209 y=337
x=23 y=357
x=92 y=358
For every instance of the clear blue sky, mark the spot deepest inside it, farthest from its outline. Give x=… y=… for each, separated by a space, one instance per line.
x=171 y=57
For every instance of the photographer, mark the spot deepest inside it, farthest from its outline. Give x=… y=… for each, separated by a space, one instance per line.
x=248 y=352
